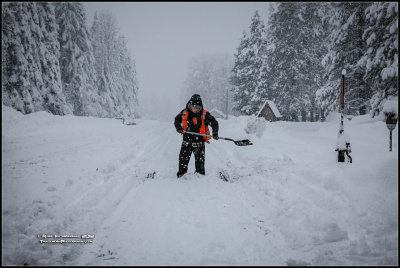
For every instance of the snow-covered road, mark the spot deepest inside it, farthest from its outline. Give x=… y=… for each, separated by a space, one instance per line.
x=287 y=200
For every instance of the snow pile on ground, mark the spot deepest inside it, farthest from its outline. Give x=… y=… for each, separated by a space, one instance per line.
x=283 y=201
x=255 y=125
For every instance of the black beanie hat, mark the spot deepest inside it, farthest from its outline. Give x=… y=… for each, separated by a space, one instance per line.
x=196 y=100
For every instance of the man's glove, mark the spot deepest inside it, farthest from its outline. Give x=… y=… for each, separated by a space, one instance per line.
x=215 y=136
x=179 y=130
x=348 y=147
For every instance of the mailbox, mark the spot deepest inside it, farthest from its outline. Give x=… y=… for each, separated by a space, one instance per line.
x=391 y=121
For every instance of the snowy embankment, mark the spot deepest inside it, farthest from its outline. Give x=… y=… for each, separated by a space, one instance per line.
x=287 y=200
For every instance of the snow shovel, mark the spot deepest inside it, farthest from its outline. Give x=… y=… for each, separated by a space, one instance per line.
x=238 y=143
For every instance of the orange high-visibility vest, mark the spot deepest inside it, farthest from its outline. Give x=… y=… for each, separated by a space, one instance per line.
x=203 y=129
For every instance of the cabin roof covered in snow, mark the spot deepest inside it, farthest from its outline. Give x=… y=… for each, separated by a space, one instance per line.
x=216 y=111
x=273 y=108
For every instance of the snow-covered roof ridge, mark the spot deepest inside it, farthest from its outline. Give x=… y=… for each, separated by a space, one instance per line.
x=273 y=108
x=215 y=110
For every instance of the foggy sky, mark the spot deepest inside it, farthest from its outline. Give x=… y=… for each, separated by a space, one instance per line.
x=162 y=37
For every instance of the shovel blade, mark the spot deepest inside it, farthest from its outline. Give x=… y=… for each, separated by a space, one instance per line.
x=243 y=142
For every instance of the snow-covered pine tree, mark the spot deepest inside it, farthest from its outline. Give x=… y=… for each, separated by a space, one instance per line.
x=208 y=75
x=247 y=74
x=76 y=60
x=267 y=74
x=284 y=33
x=115 y=69
x=381 y=54
x=101 y=61
x=345 y=49
x=296 y=34
x=128 y=80
x=199 y=77
x=98 y=50
x=313 y=48
x=16 y=90
x=31 y=74
x=223 y=100
x=49 y=49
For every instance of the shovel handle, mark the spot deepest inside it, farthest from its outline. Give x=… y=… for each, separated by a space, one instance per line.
x=239 y=143
x=199 y=134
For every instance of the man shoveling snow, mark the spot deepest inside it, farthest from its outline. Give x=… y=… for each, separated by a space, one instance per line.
x=194 y=118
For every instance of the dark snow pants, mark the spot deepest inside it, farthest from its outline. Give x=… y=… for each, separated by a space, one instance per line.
x=187 y=149
x=341 y=155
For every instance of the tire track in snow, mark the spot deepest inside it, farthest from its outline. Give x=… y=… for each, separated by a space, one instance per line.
x=88 y=210
x=115 y=173
x=184 y=210
x=179 y=222
x=50 y=215
x=136 y=170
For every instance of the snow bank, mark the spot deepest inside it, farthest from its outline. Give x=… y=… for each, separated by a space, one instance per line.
x=255 y=125
x=391 y=106
x=333 y=117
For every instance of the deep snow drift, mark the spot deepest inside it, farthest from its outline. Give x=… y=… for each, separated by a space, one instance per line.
x=287 y=200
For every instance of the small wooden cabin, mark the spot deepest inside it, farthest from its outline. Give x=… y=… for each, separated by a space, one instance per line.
x=269 y=111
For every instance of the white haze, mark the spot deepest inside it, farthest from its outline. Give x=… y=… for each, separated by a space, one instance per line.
x=163 y=37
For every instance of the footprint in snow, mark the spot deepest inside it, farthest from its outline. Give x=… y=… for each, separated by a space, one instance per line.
x=151 y=175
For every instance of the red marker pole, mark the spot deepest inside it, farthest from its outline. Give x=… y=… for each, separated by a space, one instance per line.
x=342 y=99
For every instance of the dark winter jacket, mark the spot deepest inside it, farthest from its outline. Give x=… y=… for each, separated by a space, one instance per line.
x=209 y=119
